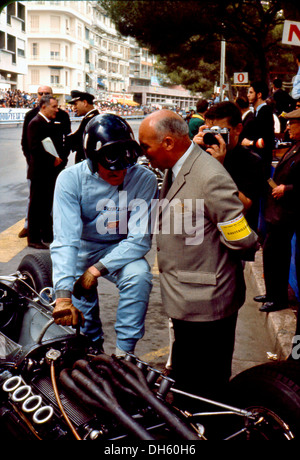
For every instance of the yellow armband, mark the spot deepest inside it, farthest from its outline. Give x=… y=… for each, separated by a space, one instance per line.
x=235 y=229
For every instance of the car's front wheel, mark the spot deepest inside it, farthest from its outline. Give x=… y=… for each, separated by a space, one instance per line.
x=37 y=269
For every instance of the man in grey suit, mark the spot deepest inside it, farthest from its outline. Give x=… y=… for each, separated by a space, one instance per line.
x=201 y=237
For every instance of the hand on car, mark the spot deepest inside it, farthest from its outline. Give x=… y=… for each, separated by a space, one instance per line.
x=66 y=314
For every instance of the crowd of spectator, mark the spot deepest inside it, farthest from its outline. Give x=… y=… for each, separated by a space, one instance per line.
x=15 y=98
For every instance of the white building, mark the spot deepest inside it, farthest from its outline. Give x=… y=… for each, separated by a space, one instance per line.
x=75 y=45
x=60 y=50
x=13 y=63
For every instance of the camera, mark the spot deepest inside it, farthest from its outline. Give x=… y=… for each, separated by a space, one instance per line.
x=209 y=137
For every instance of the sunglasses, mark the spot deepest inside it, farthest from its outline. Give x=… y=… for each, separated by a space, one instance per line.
x=44 y=94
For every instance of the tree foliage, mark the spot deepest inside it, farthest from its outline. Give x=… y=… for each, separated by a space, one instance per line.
x=186 y=35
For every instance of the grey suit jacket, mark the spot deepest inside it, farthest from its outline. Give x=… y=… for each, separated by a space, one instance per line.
x=201 y=274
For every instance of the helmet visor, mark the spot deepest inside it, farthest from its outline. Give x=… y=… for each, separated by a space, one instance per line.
x=119 y=155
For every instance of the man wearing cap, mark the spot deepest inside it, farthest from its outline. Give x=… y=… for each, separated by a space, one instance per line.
x=83 y=107
x=283 y=220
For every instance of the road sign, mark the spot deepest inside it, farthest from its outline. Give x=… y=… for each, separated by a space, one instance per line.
x=240 y=78
x=291 y=33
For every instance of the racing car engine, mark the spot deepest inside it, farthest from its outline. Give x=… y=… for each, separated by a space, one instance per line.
x=95 y=397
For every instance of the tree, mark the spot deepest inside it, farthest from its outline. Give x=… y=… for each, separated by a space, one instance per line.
x=190 y=33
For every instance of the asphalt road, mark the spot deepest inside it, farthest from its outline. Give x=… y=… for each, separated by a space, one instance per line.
x=252 y=339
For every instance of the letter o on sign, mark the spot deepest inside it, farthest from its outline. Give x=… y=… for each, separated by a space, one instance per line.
x=240 y=78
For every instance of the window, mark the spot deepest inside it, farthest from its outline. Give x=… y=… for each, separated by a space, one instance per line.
x=2 y=40
x=54 y=51
x=55 y=76
x=79 y=31
x=35 y=77
x=35 y=50
x=21 y=14
x=10 y=11
x=34 y=23
x=20 y=11
x=55 y=23
x=20 y=47
x=79 y=56
x=11 y=46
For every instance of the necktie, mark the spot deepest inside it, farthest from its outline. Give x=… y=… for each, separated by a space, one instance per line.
x=170 y=178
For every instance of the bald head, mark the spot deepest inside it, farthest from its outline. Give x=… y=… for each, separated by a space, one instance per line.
x=164 y=138
x=44 y=91
x=167 y=122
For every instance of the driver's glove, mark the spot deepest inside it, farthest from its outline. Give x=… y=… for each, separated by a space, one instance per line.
x=66 y=314
x=84 y=285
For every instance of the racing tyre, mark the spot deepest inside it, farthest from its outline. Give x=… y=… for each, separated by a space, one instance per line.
x=272 y=391
x=38 y=270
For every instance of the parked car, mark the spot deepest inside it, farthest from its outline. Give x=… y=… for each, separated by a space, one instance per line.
x=54 y=387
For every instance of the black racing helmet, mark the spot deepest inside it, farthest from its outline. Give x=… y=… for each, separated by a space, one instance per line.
x=108 y=140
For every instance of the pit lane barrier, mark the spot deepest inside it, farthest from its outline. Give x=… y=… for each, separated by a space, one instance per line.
x=16 y=116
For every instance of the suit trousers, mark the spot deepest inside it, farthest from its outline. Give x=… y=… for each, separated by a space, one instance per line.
x=276 y=260
x=202 y=355
x=40 y=209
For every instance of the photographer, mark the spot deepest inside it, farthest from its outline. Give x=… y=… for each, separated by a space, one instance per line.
x=244 y=165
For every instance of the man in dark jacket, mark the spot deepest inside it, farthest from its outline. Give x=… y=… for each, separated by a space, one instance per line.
x=62 y=119
x=243 y=164
x=283 y=102
x=283 y=220
x=83 y=106
x=43 y=170
x=263 y=141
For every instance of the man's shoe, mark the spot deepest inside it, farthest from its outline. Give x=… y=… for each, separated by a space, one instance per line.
x=23 y=233
x=260 y=298
x=272 y=306
x=37 y=246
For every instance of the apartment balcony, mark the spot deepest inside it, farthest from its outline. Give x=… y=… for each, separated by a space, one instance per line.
x=53 y=62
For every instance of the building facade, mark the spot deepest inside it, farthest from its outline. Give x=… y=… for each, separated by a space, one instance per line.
x=74 y=45
x=13 y=38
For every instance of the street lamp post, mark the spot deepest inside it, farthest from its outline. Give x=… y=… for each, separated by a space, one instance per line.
x=222 y=69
